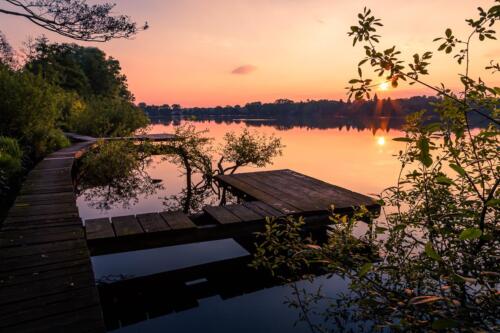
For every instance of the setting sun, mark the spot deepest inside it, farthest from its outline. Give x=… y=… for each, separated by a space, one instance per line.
x=381 y=141
x=383 y=86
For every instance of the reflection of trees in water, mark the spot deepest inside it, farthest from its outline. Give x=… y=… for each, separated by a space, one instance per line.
x=193 y=152
x=114 y=173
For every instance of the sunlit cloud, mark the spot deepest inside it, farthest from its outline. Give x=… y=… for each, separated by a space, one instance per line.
x=245 y=69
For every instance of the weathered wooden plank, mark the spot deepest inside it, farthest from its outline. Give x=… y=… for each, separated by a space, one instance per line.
x=244 y=213
x=177 y=220
x=222 y=215
x=45 y=272
x=257 y=194
x=46 y=190
x=42 y=288
x=88 y=320
x=17 y=238
x=11 y=265
x=39 y=225
x=40 y=302
x=152 y=222
x=99 y=228
x=285 y=182
x=43 y=249
x=126 y=225
x=38 y=210
x=282 y=191
x=341 y=197
x=262 y=209
x=43 y=308
x=46 y=199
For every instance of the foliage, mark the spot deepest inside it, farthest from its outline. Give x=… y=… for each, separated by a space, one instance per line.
x=30 y=110
x=438 y=243
x=10 y=155
x=248 y=149
x=98 y=101
x=196 y=154
x=107 y=117
x=74 y=18
x=7 y=54
x=85 y=70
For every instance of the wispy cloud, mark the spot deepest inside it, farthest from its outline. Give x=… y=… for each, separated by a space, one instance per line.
x=245 y=69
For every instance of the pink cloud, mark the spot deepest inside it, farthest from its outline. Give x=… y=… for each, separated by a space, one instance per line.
x=245 y=69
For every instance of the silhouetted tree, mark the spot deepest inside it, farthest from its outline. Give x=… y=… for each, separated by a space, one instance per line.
x=74 y=18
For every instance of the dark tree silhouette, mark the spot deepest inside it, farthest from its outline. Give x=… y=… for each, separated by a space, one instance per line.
x=74 y=18
x=6 y=52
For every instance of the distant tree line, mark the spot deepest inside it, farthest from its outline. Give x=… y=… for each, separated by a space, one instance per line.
x=372 y=114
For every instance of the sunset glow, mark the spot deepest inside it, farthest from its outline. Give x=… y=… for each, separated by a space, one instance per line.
x=381 y=141
x=383 y=86
x=220 y=52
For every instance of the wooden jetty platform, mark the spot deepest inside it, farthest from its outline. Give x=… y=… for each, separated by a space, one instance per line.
x=140 y=137
x=270 y=194
x=290 y=192
x=46 y=277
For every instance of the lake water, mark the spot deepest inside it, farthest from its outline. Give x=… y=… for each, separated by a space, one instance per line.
x=208 y=287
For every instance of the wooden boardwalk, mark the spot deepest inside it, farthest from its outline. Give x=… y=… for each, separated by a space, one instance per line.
x=46 y=278
x=290 y=192
x=141 y=137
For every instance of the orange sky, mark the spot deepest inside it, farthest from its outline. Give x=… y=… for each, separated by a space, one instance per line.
x=219 y=52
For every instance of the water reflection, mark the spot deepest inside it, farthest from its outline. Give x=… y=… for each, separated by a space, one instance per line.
x=345 y=158
x=206 y=287
x=115 y=174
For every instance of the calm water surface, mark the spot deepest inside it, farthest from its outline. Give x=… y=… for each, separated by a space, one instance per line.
x=361 y=161
x=207 y=287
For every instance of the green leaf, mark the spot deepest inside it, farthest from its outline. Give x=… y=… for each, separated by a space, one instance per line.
x=470 y=233
x=493 y=202
x=448 y=32
x=431 y=253
x=443 y=180
x=403 y=139
x=458 y=169
x=399 y=227
x=424 y=156
x=365 y=269
x=442 y=324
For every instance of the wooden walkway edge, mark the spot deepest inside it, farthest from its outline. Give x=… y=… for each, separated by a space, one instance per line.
x=46 y=277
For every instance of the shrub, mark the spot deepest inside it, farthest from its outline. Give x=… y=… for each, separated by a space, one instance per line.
x=30 y=108
x=107 y=116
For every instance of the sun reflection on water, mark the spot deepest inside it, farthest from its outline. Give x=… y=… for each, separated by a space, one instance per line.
x=381 y=141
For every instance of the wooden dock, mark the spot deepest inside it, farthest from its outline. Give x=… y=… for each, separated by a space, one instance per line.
x=290 y=192
x=46 y=278
x=271 y=194
x=141 y=137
